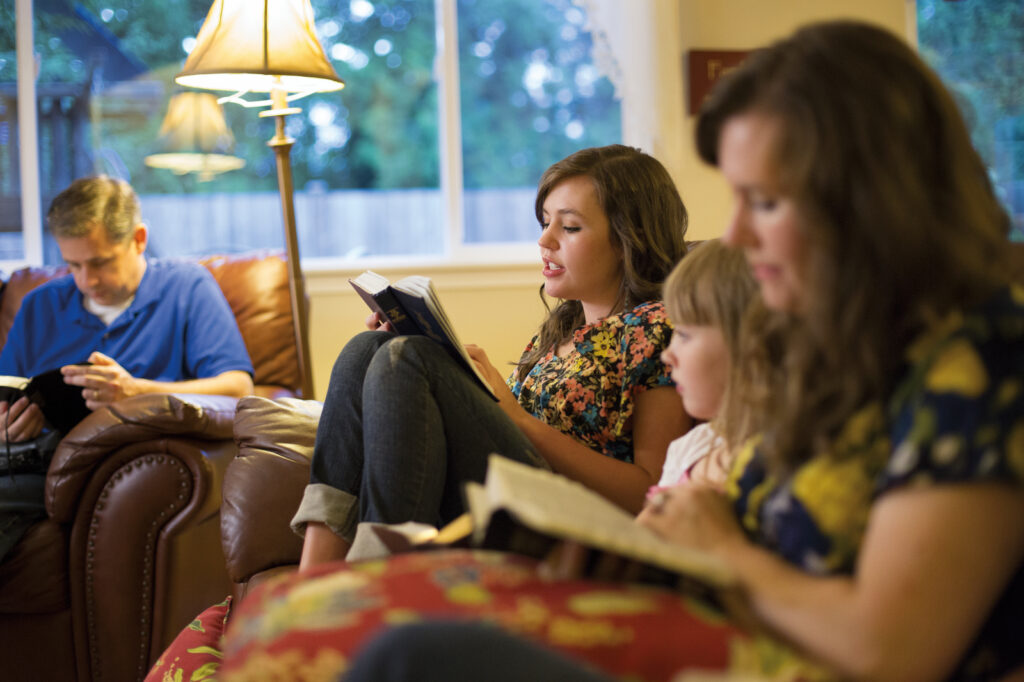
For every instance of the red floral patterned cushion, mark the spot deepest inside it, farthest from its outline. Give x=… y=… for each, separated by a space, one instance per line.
x=308 y=627
x=195 y=654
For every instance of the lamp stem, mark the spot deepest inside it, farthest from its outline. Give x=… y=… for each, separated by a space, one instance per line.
x=282 y=146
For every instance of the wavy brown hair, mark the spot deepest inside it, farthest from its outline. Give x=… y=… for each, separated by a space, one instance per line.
x=899 y=216
x=647 y=223
x=713 y=287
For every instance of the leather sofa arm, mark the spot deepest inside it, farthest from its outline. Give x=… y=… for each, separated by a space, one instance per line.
x=264 y=483
x=137 y=485
x=138 y=419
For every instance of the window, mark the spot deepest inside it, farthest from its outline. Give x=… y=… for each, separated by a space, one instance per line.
x=369 y=164
x=11 y=242
x=530 y=95
x=977 y=46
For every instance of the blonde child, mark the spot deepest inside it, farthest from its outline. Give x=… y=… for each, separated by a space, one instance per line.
x=705 y=296
x=403 y=427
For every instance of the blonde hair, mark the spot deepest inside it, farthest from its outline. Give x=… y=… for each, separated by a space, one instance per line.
x=713 y=287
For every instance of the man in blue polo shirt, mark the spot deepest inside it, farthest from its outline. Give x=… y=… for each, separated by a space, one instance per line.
x=146 y=326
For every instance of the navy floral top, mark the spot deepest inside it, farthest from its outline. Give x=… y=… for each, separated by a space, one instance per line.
x=956 y=417
x=589 y=392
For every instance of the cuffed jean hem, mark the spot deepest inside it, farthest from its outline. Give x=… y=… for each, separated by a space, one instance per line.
x=336 y=509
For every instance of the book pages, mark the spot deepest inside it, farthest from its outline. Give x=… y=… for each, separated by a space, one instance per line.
x=556 y=506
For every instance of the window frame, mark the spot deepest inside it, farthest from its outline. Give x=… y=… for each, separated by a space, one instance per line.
x=644 y=116
x=28 y=145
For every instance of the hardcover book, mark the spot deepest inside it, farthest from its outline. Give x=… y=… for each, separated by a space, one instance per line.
x=412 y=306
x=526 y=510
x=62 y=404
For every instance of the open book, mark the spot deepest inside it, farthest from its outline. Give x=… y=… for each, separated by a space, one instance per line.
x=412 y=306
x=62 y=404
x=527 y=510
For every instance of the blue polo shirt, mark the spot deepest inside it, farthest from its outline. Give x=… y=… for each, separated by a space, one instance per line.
x=179 y=327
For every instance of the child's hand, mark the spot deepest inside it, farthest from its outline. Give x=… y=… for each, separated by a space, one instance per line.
x=654 y=495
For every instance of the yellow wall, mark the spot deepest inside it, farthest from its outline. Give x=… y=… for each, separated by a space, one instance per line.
x=742 y=25
x=496 y=306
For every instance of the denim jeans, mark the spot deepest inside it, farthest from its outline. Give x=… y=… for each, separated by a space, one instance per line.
x=461 y=652
x=403 y=427
x=21 y=505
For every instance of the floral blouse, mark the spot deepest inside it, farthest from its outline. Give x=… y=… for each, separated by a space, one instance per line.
x=956 y=417
x=589 y=393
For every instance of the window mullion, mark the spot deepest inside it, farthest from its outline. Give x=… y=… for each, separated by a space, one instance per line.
x=446 y=71
x=28 y=156
x=911 y=18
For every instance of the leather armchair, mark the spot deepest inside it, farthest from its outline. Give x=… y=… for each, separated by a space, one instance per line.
x=130 y=550
x=263 y=486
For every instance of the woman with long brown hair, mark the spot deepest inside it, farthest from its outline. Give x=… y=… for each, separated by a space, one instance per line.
x=403 y=427
x=875 y=523
x=878 y=522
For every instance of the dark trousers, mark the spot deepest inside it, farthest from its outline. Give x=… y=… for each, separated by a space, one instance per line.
x=404 y=426
x=461 y=652
x=21 y=505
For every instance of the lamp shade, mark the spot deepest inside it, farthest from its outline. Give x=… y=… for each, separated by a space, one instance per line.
x=194 y=138
x=255 y=45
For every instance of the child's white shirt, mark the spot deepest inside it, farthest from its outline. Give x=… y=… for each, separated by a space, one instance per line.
x=687 y=450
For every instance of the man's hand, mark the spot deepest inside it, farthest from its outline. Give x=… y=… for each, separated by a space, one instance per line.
x=103 y=382
x=22 y=420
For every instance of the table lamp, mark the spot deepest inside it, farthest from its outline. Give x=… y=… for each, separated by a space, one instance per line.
x=194 y=138
x=267 y=46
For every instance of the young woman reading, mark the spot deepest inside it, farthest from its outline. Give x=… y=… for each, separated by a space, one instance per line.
x=403 y=427
x=876 y=523
x=706 y=296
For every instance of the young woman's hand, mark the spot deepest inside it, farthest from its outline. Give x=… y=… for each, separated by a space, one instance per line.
x=693 y=515
x=376 y=323
x=506 y=399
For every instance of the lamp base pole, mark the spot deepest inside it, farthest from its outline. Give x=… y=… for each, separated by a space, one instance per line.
x=282 y=146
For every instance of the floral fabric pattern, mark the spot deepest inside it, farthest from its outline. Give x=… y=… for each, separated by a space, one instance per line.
x=589 y=393
x=195 y=654
x=309 y=627
x=957 y=416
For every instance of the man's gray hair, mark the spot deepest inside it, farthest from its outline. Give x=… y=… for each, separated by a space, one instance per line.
x=95 y=200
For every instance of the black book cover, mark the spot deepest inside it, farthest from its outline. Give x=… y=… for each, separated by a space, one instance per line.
x=62 y=404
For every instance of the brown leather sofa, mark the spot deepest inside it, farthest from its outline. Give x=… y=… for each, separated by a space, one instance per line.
x=131 y=549
x=263 y=486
